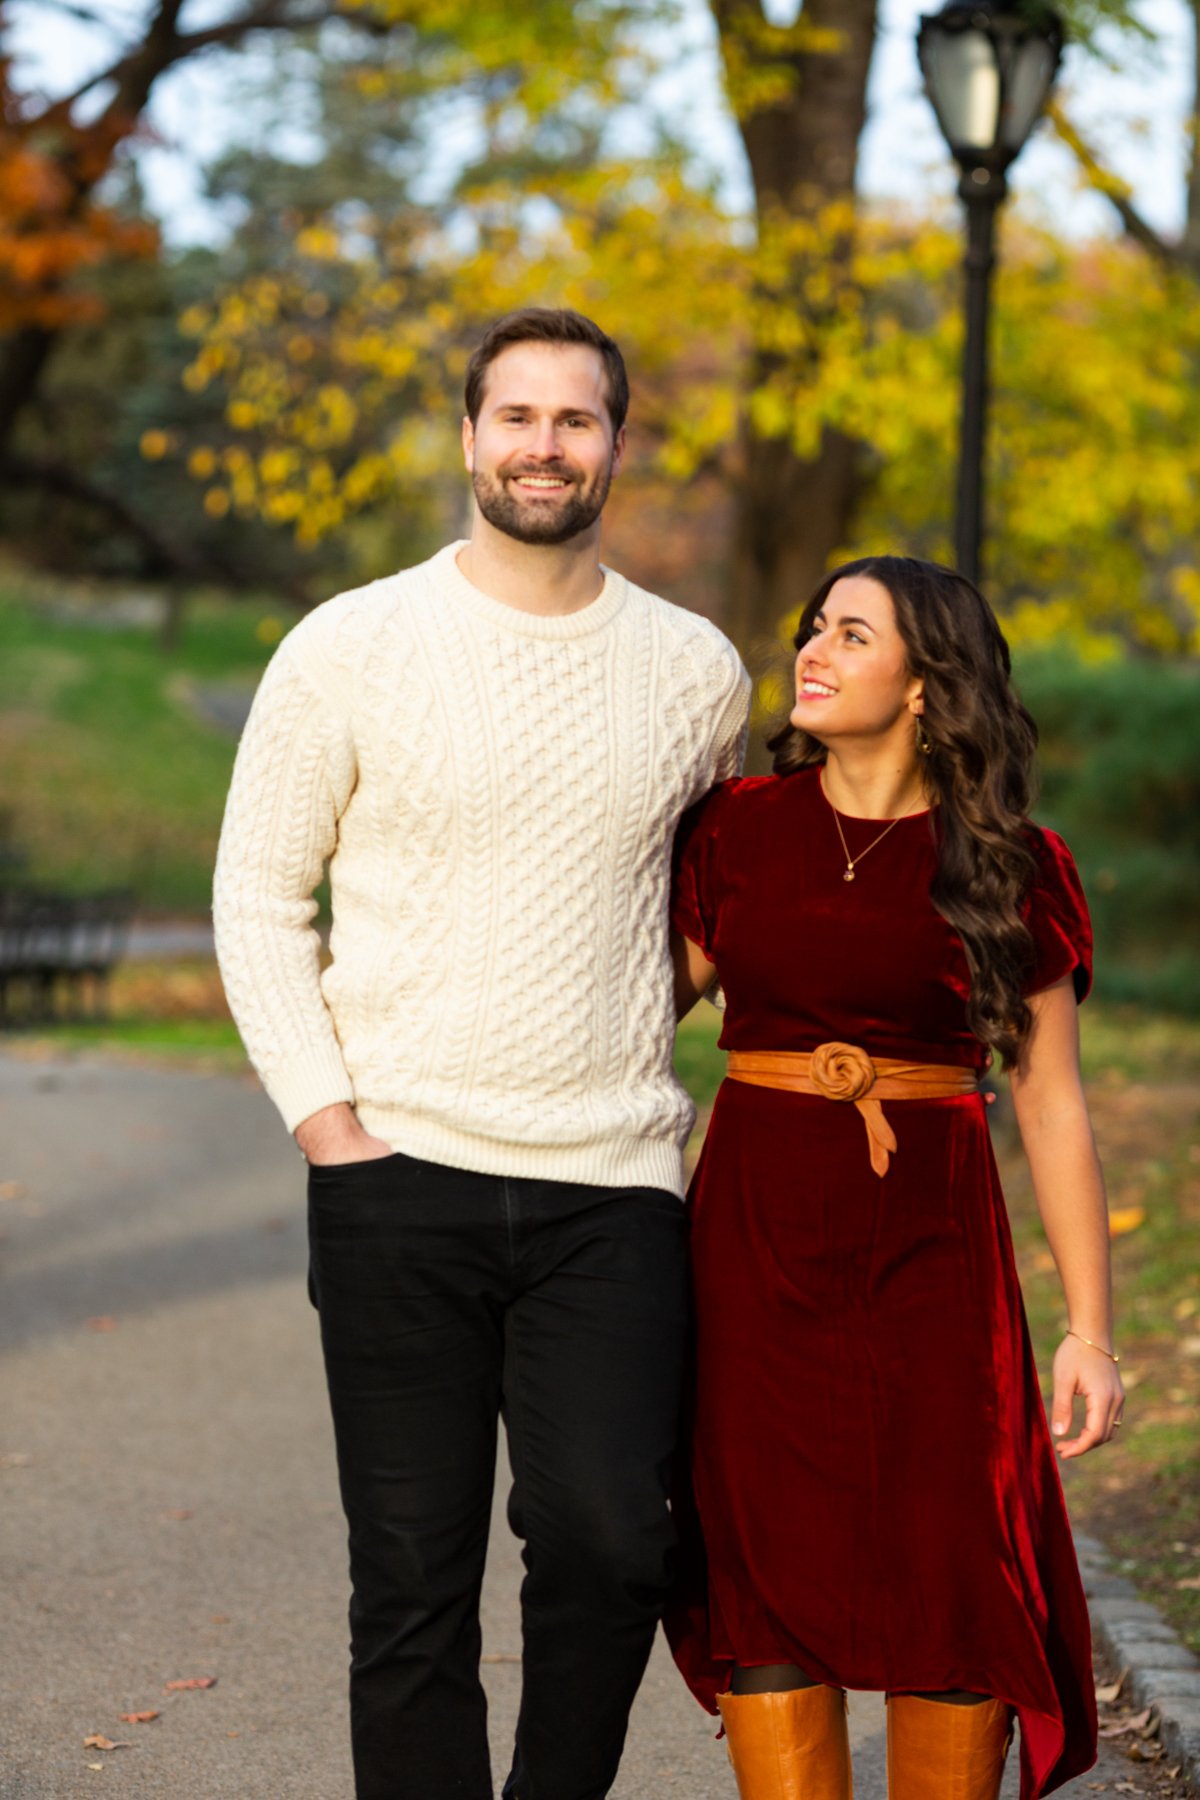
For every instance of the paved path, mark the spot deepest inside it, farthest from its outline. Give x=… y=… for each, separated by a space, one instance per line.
x=167 y=1497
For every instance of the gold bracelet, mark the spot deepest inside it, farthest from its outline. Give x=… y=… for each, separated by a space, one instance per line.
x=1112 y=1357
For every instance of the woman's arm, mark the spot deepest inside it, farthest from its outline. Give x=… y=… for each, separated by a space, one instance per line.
x=1047 y=1091
x=694 y=974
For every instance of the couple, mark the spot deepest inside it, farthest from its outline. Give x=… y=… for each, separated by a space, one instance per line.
x=493 y=753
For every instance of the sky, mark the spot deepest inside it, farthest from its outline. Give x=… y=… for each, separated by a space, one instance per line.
x=1133 y=112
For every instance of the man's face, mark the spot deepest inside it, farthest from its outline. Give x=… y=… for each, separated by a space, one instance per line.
x=542 y=452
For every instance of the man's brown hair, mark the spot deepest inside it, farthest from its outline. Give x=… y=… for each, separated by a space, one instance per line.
x=549 y=325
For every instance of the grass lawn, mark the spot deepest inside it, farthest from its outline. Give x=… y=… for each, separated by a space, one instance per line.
x=110 y=772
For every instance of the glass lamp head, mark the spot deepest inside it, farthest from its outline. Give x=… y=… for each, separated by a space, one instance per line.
x=989 y=66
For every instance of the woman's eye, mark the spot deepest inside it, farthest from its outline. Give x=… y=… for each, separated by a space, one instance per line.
x=854 y=638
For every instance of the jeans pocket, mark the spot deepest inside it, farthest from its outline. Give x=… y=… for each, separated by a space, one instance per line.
x=324 y=1173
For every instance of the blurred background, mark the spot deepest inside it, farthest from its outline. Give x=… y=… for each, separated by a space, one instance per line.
x=246 y=247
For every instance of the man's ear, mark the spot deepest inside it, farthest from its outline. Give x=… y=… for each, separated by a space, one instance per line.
x=618 y=451
x=468 y=444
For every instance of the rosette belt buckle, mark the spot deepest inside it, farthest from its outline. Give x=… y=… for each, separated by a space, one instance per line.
x=844 y=1072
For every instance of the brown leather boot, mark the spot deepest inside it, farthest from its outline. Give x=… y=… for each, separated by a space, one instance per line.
x=789 y=1746
x=939 y=1751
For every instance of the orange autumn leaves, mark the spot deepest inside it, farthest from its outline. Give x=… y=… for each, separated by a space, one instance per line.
x=99 y=1740
x=51 y=230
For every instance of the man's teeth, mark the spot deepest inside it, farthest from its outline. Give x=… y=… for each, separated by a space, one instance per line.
x=541 y=481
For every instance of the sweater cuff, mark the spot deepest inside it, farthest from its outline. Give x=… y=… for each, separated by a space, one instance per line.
x=303 y=1086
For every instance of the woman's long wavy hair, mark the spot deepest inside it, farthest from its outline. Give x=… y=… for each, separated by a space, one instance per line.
x=980 y=772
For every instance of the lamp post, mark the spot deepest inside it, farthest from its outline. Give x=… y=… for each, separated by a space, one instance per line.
x=989 y=66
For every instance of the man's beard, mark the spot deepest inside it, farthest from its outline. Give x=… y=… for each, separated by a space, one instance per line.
x=533 y=525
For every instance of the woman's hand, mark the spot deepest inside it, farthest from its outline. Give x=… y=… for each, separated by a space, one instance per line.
x=1051 y=1110
x=1079 y=1369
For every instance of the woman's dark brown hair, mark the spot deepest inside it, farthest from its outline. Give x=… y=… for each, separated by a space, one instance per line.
x=980 y=771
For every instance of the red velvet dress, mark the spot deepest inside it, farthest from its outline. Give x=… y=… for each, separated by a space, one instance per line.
x=876 y=1493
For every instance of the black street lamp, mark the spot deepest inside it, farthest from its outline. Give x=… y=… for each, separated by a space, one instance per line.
x=989 y=66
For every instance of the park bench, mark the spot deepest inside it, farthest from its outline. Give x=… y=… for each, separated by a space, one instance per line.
x=58 y=952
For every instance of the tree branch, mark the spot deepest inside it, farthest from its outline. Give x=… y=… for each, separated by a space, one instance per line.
x=86 y=15
x=164 y=557
x=1114 y=190
x=141 y=67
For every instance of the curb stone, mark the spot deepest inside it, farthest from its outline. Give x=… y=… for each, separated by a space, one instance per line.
x=1159 y=1670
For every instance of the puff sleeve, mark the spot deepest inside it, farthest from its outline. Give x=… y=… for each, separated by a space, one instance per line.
x=695 y=882
x=1057 y=915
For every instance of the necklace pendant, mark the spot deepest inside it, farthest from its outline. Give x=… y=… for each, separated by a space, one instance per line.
x=849 y=875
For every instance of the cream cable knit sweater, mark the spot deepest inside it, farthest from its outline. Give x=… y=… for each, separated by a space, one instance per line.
x=496 y=794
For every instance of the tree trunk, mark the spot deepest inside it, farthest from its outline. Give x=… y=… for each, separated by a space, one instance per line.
x=802 y=147
x=1190 y=242
x=791 y=516
x=23 y=362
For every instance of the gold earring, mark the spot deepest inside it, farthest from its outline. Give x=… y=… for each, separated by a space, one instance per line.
x=924 y=741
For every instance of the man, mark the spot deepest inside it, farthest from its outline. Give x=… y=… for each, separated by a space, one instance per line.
x=491 y=751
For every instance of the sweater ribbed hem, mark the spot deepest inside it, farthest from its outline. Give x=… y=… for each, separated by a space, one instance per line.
x=613 y=1162
x=309 y=1082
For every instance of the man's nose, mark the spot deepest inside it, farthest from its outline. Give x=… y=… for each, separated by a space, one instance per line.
x=545 y=439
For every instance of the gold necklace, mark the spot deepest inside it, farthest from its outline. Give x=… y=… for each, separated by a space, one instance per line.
x=851 y=860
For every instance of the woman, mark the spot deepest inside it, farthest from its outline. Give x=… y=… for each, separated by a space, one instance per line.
x=874 y=1482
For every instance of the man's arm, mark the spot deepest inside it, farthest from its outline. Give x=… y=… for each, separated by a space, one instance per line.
x=733 y=722
x=294 y=774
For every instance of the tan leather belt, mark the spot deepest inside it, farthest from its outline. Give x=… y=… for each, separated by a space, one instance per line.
x=844 y=1072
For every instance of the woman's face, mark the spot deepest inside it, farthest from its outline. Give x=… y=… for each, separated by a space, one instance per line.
x=852 y=677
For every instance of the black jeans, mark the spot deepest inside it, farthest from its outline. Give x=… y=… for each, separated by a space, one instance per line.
x=446 y=1298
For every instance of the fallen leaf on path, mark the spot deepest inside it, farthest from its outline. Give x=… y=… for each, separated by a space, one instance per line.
x=1125 y=1218
x=104 y=1322
x=1110 y=1690
x=142 y=1718
x=13 y=1190
x=500 y=1659
x=192 y=1681
x=98 y=1741
x=98 y=1767
x=1139 y=1722
x=16 y=1459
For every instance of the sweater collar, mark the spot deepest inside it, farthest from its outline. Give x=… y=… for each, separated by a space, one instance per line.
x=448 y=579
